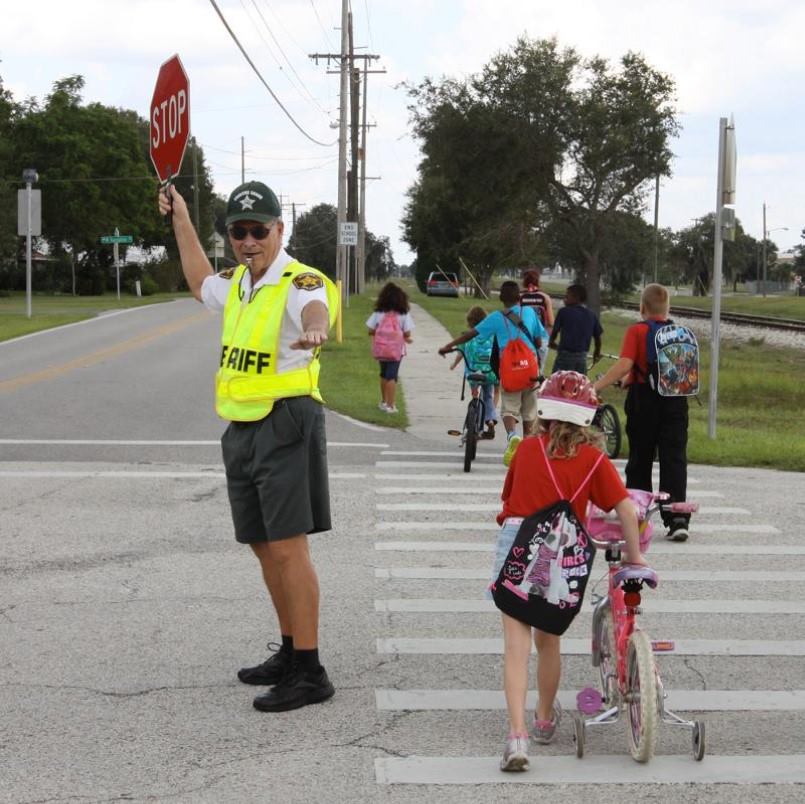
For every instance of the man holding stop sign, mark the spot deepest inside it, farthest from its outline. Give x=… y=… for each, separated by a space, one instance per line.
x=277 y=313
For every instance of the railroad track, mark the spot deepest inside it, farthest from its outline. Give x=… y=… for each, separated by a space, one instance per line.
x=767 y=322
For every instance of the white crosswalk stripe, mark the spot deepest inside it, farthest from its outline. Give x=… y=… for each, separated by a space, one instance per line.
x=418 y=523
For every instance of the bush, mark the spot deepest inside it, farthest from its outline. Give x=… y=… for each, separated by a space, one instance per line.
x=148 y=287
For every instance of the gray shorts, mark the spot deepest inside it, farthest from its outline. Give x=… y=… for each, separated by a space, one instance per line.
x=276 y=472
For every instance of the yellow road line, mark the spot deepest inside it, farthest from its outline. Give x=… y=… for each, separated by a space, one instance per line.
x=91 y=359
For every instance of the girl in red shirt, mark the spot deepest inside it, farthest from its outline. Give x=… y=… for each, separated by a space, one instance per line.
x=566 y=454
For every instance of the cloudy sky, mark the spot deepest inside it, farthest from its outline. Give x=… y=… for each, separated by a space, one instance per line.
x=739 y=57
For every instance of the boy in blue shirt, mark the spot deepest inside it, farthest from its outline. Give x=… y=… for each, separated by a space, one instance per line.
x=511 y=322
x=577 y=325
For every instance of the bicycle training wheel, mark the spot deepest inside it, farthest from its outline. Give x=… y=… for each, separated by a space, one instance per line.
x=607 y=657
x=610 y=426
x=641 y=697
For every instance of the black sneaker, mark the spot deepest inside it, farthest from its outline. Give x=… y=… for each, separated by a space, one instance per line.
x=677 y=531
x=271 y=671
x=298 y=688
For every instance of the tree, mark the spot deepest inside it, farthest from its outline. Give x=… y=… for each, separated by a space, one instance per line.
x=692 y=255
x=313 y=242
x=540 y=138
x=95 y=175
x=8 y=196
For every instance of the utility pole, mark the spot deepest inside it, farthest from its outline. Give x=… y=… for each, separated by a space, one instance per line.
x=765 y=256
x=346 y=60
x=656 y=225
x=352 y=180
x=242 y=162
x=195 y=184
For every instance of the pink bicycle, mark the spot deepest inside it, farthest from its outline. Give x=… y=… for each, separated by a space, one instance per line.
x=624 y=654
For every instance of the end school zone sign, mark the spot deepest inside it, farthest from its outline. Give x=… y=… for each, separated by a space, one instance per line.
x=170 y=119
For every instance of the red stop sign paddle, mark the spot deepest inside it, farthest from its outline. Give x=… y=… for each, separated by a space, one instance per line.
x=170 y=118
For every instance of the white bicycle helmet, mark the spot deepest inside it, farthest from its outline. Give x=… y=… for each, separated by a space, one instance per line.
x=568 y=396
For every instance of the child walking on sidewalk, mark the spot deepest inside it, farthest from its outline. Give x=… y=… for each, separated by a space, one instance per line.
x=390 y=327
x=539 y=583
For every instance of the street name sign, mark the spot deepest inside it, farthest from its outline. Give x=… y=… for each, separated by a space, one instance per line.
x=110 y=239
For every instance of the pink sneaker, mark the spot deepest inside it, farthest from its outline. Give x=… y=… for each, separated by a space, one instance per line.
x=544 y=730
x=515 y=753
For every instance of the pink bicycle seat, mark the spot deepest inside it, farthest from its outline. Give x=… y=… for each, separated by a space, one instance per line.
x=630 y=572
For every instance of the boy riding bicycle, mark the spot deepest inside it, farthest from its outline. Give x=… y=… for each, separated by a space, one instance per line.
x=477 y=355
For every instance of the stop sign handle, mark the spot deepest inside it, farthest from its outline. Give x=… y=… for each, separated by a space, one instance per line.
x=165 y=188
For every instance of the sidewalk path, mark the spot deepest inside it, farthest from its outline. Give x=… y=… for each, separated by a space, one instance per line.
x=432 y=391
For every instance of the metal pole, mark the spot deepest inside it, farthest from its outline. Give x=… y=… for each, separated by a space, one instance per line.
x=717 y=261
x=195 y=186
x=341 y=256
x=763 y=287
x=362 y=197
x=242 y=162
x=28 y=251
x=656 y=224
x=116 y=251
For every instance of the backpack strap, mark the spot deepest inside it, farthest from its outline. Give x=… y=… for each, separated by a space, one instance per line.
x=515 y=319
x=553 y=476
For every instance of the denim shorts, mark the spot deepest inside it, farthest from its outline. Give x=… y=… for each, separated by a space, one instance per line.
x=506 y=536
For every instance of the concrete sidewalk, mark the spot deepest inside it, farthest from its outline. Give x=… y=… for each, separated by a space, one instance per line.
x=432 y=392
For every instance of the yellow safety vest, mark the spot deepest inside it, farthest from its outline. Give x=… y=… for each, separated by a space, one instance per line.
x=247 y=383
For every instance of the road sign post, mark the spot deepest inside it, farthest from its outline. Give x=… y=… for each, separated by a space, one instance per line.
x=169 y=119
x=115 y=240
x=32 y=225
x=724 y=230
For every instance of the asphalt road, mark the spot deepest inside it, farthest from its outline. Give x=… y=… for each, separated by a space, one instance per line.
x=126 y=607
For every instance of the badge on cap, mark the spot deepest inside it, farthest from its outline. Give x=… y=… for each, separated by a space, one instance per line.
x=248 y=199
x=308 y=282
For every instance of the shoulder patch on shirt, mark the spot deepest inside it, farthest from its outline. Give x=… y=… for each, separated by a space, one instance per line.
x=308 y=282
x=227 y=274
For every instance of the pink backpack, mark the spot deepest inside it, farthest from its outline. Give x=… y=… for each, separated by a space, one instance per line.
x=388 y=343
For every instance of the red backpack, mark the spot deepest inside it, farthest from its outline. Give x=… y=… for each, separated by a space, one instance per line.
x=518 y=366
x=388 y=343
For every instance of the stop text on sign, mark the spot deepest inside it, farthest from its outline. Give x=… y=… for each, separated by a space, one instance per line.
x=169 y=119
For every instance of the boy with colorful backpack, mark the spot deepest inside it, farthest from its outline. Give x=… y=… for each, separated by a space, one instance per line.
x=477 y=357
x=518 y=335
x=660 y=363
x=390 y=327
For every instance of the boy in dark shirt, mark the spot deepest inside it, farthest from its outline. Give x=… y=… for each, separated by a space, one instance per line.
x=577 y=325
x=654 y=423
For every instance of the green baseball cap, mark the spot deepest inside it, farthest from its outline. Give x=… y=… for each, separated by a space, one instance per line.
x=252 y=201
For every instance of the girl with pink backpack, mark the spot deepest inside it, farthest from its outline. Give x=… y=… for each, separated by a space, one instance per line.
x=390 y=327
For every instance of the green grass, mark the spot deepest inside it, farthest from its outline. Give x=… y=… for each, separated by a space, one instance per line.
x=350 y=379
x=761 y=392
x=54 y=311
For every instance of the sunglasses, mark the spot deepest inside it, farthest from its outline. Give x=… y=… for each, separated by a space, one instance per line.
x=258 y=231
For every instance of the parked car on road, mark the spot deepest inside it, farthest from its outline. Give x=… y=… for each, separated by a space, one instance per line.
x=442 y=284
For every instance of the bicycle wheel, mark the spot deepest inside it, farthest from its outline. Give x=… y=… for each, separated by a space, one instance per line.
x=607 y=657
x=641 y=697
x=471 y=433
x=610 y=426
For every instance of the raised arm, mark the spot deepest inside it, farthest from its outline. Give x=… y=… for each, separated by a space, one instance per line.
x=195 y=265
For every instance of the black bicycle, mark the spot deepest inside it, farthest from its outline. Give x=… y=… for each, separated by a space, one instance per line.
x=473 y=430
x=606 y=419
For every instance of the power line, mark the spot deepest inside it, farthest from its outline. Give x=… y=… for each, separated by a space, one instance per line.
x=321 y=25
x=265 y=84
x=369 y=23
x=284 y=55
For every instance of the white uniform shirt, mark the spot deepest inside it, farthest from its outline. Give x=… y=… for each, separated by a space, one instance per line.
x=406 y=322
x=215 y=290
